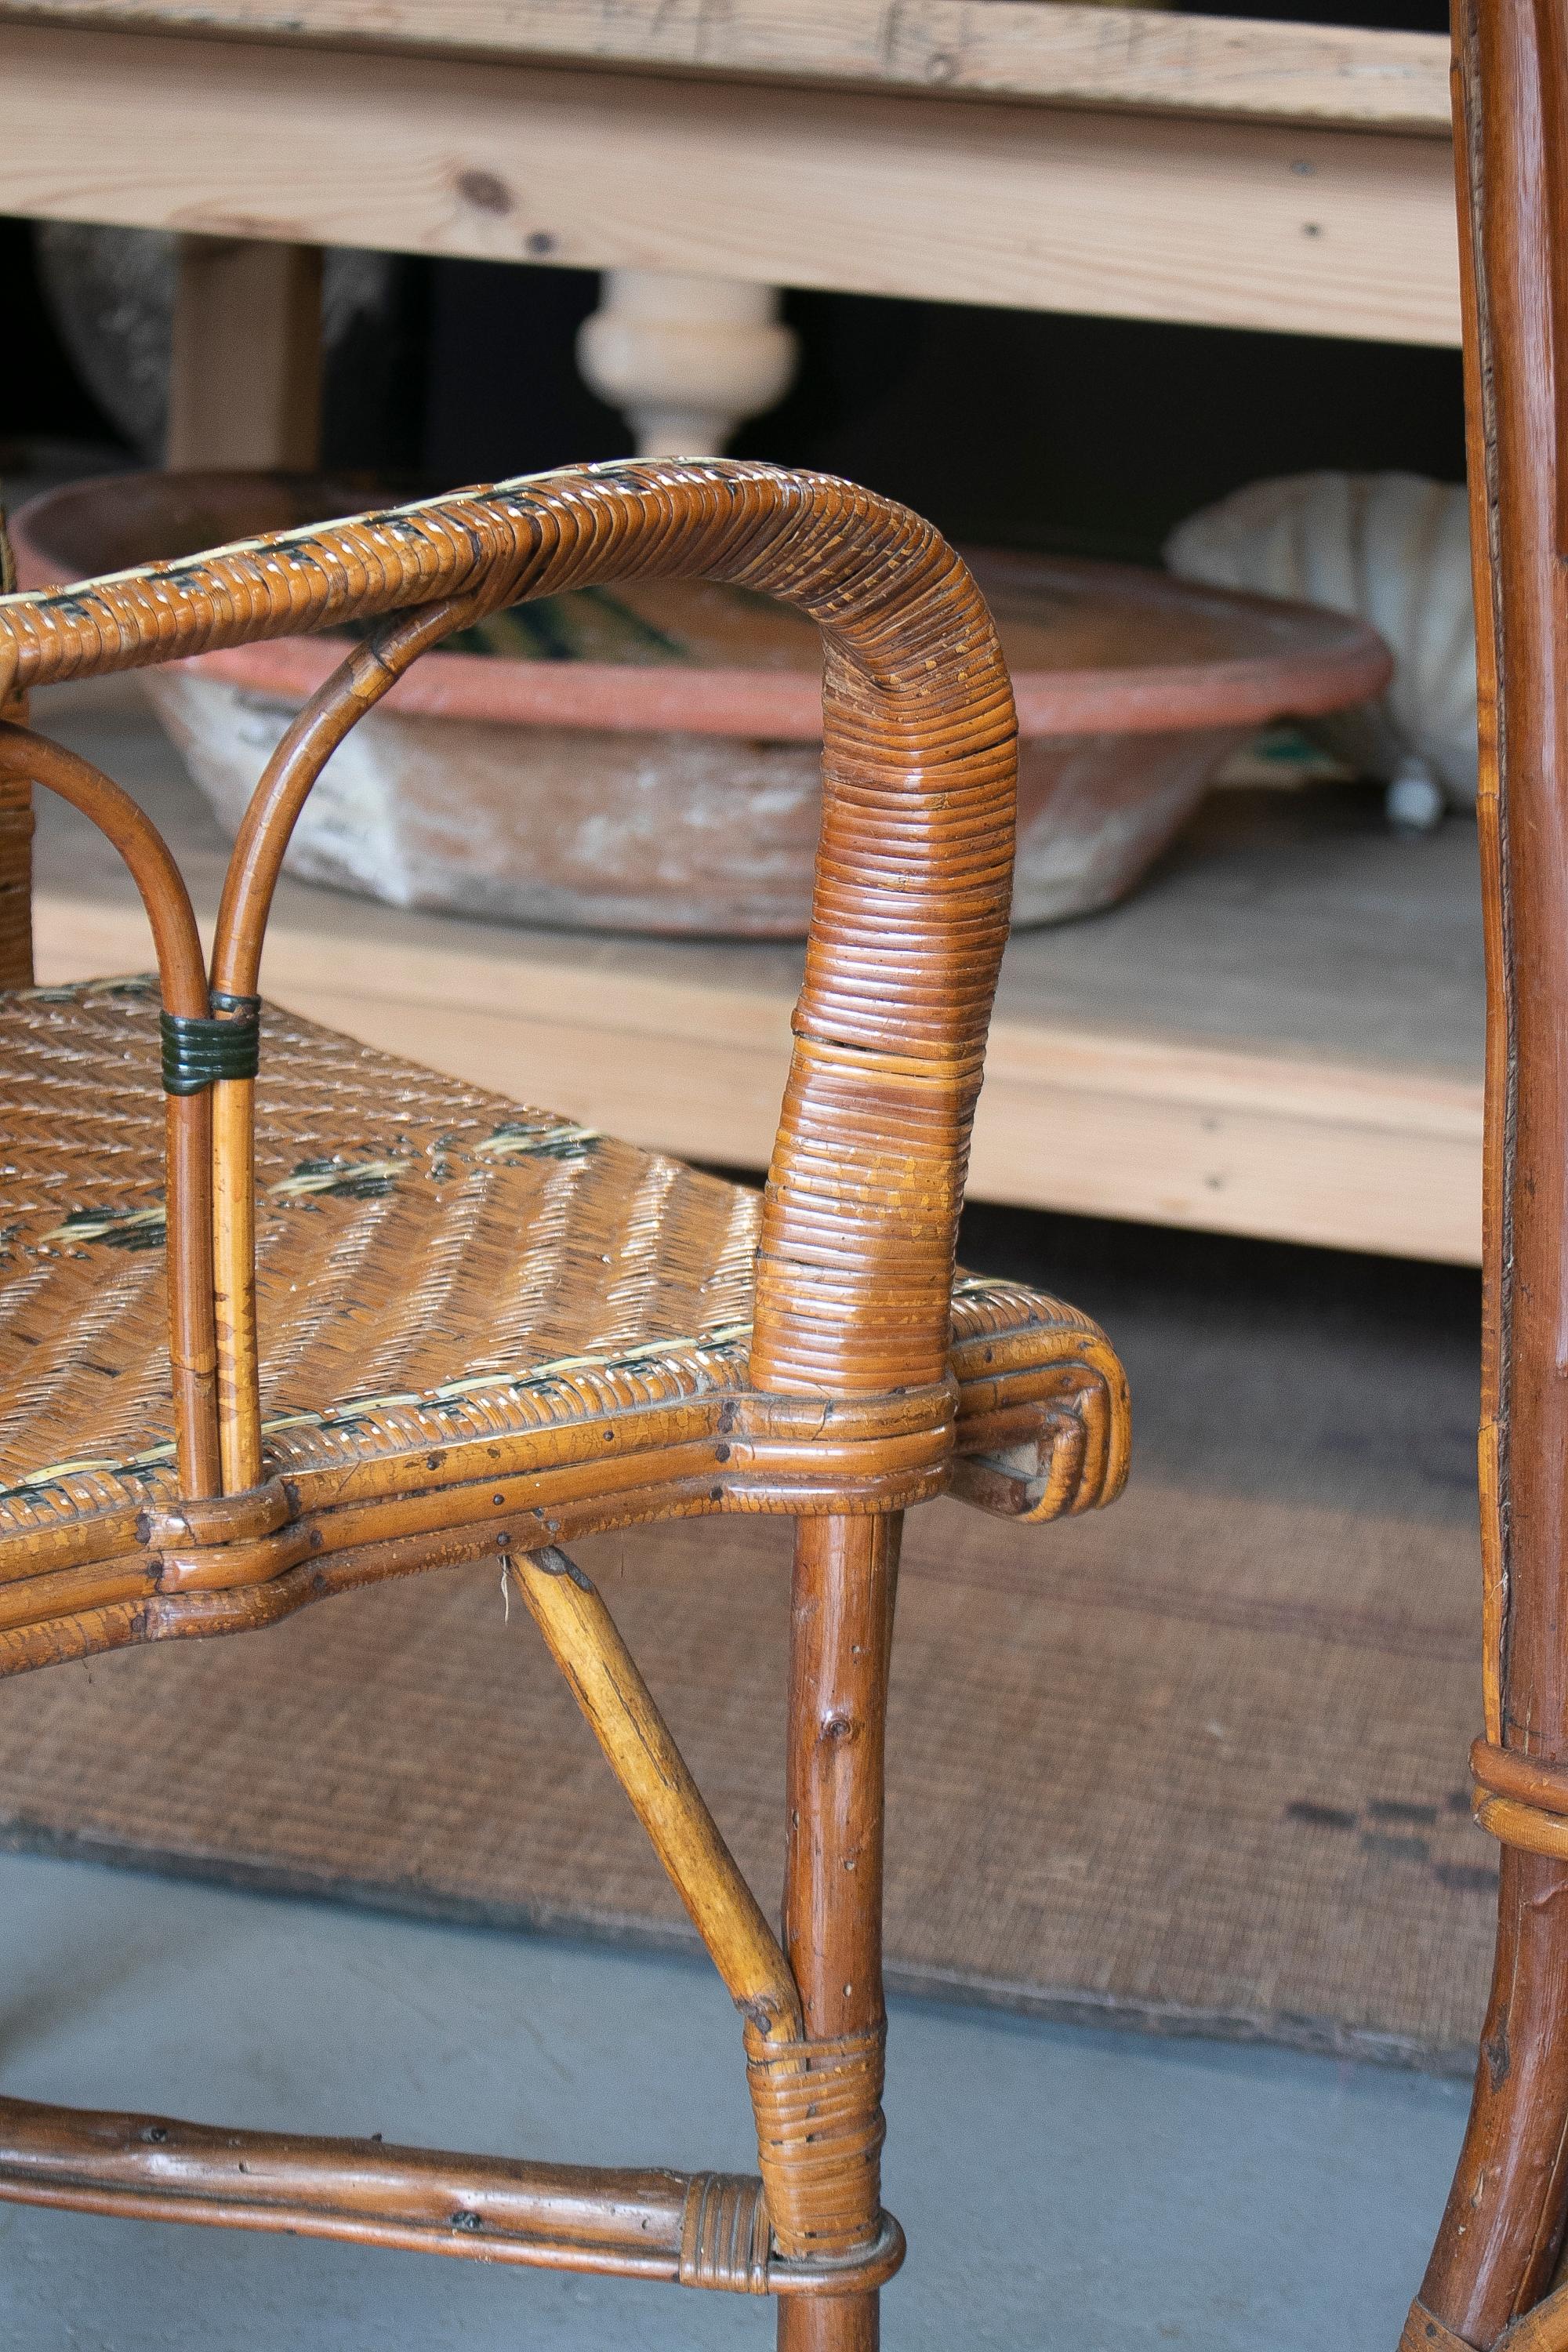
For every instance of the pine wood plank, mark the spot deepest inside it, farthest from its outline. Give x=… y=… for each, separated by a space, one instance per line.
x=1331 y=232
x=995 y=48
x=244 y=376
x=1279 y=1035
x=1166 y=1130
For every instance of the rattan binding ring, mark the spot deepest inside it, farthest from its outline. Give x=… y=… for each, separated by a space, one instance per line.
x=1521 y=1800
x=1425 y=2334
x=724 y=2233
x=819 y=2132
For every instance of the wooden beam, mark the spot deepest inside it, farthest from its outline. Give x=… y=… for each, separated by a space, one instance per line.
x=1235 y=1139
x=1279 y=1034
x=245 y=377
x=992 y=49
x=1245 y=1138
x=1311 y=231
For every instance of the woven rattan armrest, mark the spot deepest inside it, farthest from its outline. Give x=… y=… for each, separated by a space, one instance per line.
x=910 y=912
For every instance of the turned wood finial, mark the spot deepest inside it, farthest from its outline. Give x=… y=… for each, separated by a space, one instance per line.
x=687 y=359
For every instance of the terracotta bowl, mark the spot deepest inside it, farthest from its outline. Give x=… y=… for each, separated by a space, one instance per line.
x=644 y=759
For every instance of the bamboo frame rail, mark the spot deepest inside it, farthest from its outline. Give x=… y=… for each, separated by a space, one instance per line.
x=813 y=2223
x=1059 y=1445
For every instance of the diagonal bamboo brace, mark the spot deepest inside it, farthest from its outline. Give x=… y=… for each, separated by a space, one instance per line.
x=586 y=1645
x=1544 y=2328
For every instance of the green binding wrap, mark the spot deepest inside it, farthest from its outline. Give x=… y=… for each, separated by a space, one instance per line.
x=197 y=1053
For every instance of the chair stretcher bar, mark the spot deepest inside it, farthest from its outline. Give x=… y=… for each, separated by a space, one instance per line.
x=699 y=2229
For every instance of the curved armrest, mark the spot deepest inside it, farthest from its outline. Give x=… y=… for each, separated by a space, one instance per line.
x=914 y=861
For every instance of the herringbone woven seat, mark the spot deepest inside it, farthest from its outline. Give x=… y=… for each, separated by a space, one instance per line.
x=439 y=1272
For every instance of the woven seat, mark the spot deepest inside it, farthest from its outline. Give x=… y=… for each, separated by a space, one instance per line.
x=440 y=1273
x=279 y=1316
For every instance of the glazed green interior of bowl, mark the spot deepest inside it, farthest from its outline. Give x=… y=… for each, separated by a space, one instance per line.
x=1051 y=613
x=591 y=625
x=699 y=622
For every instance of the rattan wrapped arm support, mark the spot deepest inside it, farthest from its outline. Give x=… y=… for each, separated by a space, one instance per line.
x=914 y=864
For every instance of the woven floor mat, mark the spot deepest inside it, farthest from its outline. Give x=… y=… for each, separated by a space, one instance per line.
x=1197 y=1763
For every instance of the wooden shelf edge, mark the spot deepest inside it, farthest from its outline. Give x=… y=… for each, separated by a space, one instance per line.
x=1167 y=1130
x=1308 y=229
x=1127 y=58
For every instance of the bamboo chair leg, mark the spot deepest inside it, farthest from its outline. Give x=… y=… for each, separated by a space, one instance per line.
x=846 y=1574
x=1498 y=2248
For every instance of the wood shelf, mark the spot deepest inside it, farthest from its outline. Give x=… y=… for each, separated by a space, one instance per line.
x=1050 y=54
x=1118 y=162
x=1281 y=1035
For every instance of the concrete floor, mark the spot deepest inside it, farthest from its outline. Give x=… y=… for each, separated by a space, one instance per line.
x=1061 y=2187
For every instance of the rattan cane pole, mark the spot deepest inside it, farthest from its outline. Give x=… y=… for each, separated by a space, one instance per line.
x=15 y=828
x=16 y=871
x=355 y=687
x=841 y=1618
x=177 y=943
x=234 y=1282
x=586 y=1645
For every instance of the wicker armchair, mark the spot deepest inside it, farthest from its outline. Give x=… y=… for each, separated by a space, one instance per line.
x=333 y=1318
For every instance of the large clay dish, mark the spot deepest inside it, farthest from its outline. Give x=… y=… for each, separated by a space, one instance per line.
x=673 y=789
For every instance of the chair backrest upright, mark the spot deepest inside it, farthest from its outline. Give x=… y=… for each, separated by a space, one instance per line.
x=1496 y=2251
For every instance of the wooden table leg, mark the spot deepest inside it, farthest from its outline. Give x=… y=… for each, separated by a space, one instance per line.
x=244 y=376
x=846 y=1573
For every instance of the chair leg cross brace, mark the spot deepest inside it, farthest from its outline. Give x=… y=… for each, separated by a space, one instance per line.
x=701 y=2228
x=817 y=2099
x=586 y=1644
x=810 y=2226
